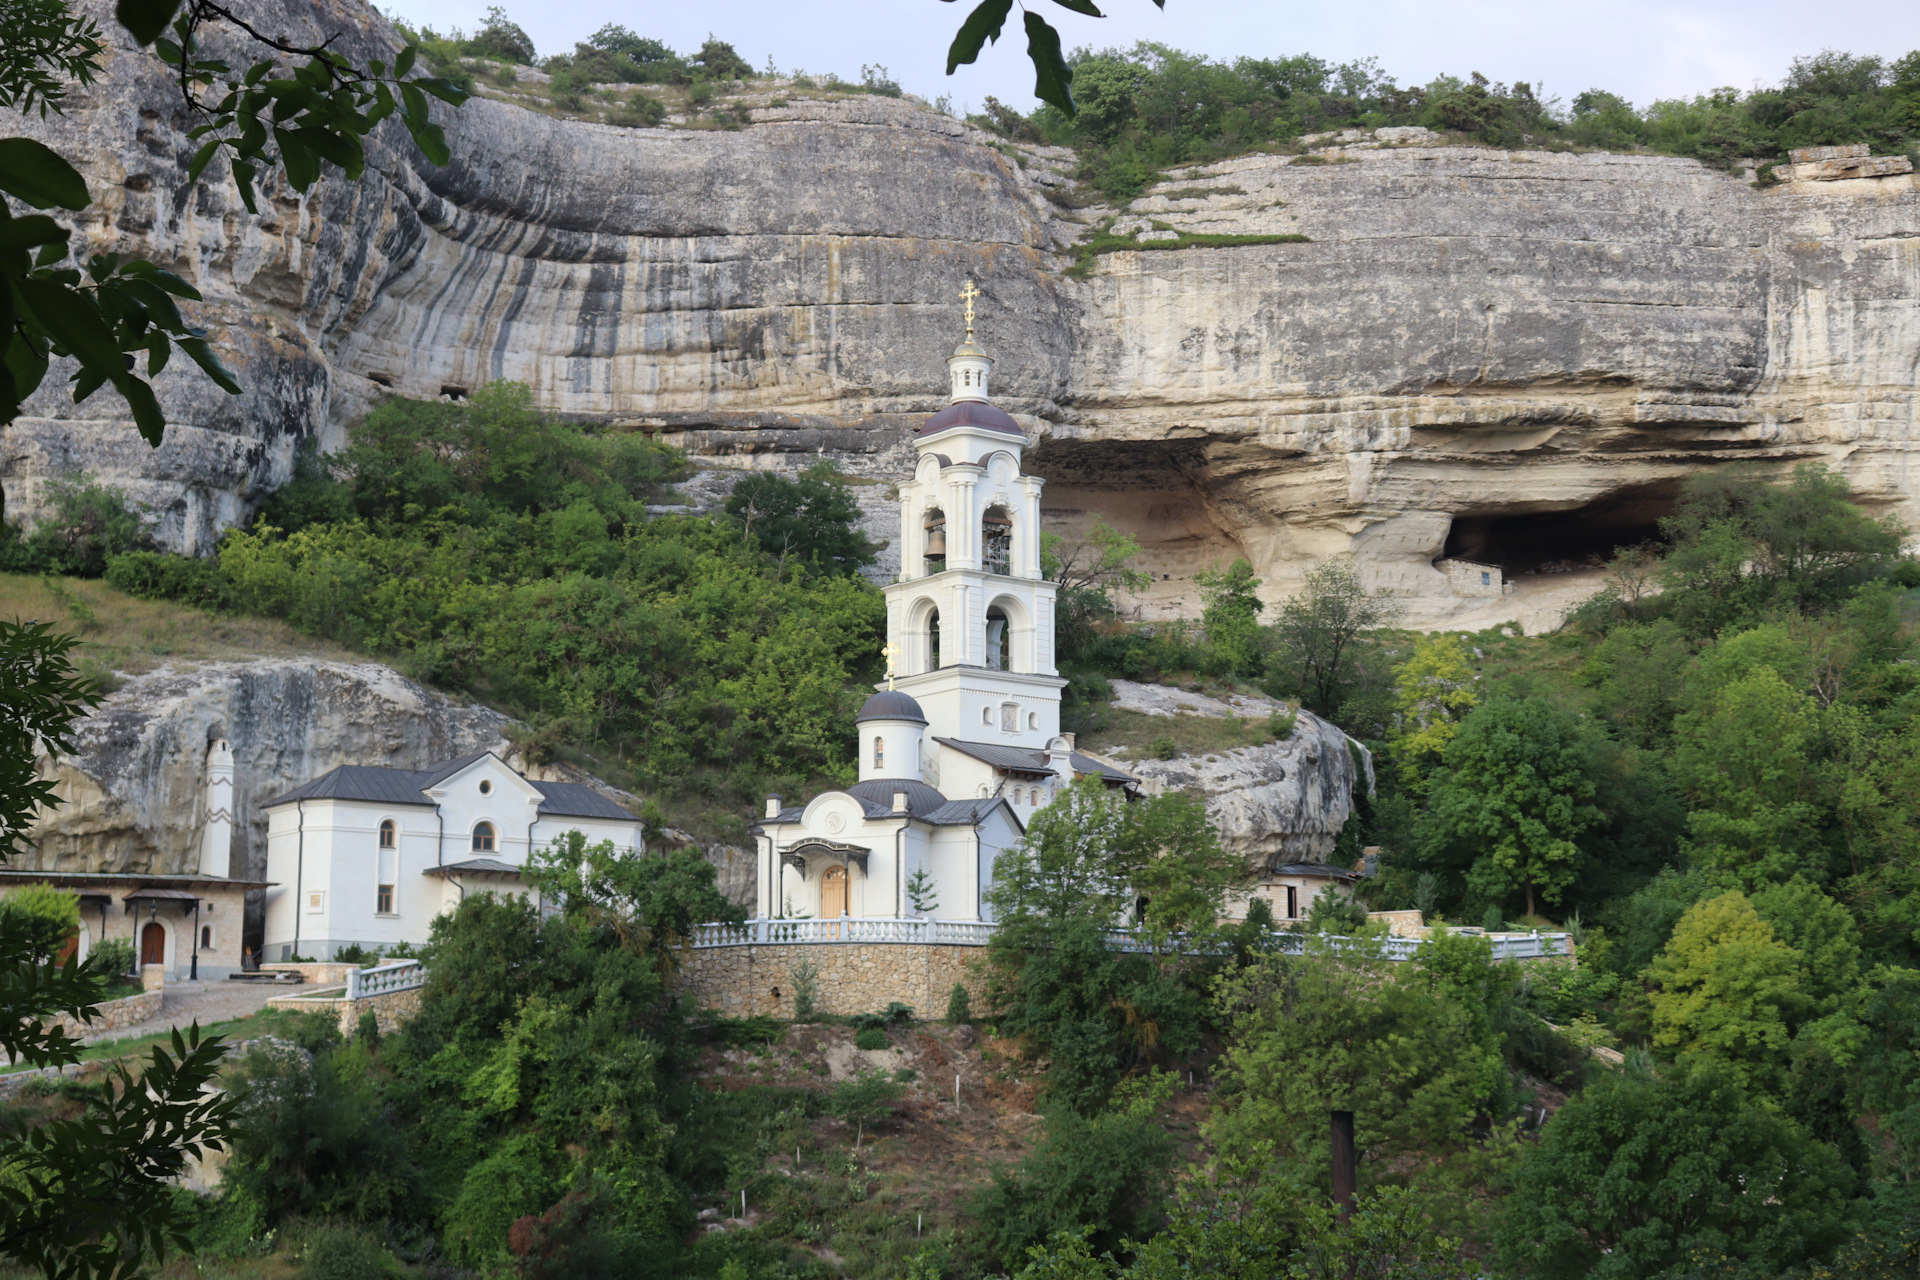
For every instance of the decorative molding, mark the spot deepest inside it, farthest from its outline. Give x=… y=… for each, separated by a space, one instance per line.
x=795 y=861
x=849 y=853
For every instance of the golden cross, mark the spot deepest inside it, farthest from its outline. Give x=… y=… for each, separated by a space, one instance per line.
x=967 y=295
x=890 y=652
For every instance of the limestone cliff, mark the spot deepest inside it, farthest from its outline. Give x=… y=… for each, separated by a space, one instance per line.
x=1503 y=356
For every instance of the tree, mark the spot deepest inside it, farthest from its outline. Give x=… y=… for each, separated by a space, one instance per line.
x=1231 y=618
x=1728 y=990
x=273 y=116
x=1087 y=574
x=616 y=39
x=502 y=39
x=813 y=518
x=88 y=1195
x=651 y=901
x=1512 y=797
x=1432 y=690
x=920 y=893
x=864 y=1100
x=1642 y=1171
x=1317 y=629
x=721 y=61
x=1342 y=1028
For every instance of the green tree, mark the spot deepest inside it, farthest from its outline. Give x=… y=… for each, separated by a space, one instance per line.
x=1317 y=631
x=1433 y=689
x=1231 y=618
x=1639 y=1172
x=650 y=901
x=1513 y=795
x=90 y=1194
x=1087 y=574
x=1728 y=990
x=812 y=519
x=1342 y=1028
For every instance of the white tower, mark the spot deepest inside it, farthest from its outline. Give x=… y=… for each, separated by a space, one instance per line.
x=971 y=619
x=216 y=838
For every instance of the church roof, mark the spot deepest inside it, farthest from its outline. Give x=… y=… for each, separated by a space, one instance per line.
x=475 y=867
x=876 y=795
x=972 y=413
x=375 y=785
x=891 y=704
x=1030 y=760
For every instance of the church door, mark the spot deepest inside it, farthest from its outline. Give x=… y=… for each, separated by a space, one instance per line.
x=833 y=893
x=153 y=944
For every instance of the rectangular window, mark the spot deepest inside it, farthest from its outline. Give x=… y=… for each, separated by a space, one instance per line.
x=1293 y=903
x=316 y=902
x=384 y=903
x=389 y=874
x=1486 y=579
x=1009 y=718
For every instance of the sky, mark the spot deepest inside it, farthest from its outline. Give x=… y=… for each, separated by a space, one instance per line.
x=1641 y=51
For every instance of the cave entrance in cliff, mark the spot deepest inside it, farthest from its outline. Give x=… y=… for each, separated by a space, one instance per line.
x=1562 y=541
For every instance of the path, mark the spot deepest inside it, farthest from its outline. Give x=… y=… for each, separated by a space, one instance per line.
x=184 y=1003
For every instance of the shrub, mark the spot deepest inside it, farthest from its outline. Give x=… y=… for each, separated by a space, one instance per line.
x=871 y=1038
x=44 y=916
x=342 y=1253
x=641 y=111
x=113 y=955
x=959 y=1005
x=155 y=575
x=85 y=524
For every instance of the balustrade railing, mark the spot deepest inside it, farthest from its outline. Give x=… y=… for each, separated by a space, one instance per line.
x=396 y=975
x=962 y=933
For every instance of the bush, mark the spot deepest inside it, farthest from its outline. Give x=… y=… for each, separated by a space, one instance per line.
x=641 y=111
x=155 y=575
x=45 y=917
x=112 y=955
x=871 y=1038
x=342 y=1253
x=86 y=524
x=959 y=1005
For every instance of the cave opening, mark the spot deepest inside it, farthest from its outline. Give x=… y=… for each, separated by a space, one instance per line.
x=1561 y=541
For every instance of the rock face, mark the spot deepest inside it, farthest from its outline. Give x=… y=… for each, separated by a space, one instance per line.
x=1504 y=356
x=1278 y=803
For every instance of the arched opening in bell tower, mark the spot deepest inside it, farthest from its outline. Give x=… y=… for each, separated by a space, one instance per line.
x=934 y=540
x=999 y=639
x=933 y=640
x=996 y=540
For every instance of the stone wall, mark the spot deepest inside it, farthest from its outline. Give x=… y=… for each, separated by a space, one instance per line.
x=116 y=1014
x=851 y=978
x=390 y=1008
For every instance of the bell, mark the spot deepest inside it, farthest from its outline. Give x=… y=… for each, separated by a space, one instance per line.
x=937 y=541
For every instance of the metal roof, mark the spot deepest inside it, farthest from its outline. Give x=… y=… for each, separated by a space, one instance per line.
x=578 y=800
x=376 y=785
x=1314 y=871
x=474 y=867
x=1029 y=760
x=891 y=704
x=963 y=813
x=877 y=796
x=82 y=880
x=971 y=413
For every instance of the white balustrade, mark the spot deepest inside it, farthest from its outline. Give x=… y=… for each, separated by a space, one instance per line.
x=969 y=933
x=396 y=975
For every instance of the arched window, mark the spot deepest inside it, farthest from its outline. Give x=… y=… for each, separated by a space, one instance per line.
x=933 y=640
x=879 y=753
x=996 y=541
x=386 y=834
x=483 y=835
x=206 y=937
x=997 y=639
x=935 y=527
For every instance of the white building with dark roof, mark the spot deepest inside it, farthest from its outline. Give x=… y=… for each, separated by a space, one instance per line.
x=963 y=744
x=369 y=856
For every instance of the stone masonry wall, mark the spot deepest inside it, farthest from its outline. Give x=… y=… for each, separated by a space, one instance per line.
x=852 y=978
x=390 y=1009
x=116 y=1014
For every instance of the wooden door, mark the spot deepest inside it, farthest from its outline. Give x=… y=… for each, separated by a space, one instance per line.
x=833 y=893
x=153 y=944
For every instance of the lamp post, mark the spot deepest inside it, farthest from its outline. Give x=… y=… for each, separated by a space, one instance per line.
x=193 y=973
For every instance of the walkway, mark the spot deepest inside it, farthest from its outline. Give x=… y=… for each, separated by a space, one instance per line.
x=207 y=1002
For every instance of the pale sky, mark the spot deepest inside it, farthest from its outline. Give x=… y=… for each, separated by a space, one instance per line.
x=1639 y=50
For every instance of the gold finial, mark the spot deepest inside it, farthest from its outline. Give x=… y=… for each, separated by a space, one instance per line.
x=890 y=652
x=967 y=295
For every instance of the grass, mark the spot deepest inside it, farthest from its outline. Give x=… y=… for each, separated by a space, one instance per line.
x=1199 y=193
x=253 y=1024
x=1141 y=735
x=122 y=633
x=1088 y=251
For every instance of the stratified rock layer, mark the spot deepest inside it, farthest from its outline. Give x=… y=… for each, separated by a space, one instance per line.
x=1507 y=356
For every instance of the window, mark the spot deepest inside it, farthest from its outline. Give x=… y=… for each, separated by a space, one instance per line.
x=996 y=541
x=1486 y=579
x=933 y=640
x=384 y=882
x=206 y=937
x=386 y=834
x=935 y=541
x=1016 y=795
x=483 y=835
x=996 y=640
x=879 y=753
x=1009 y=718
x=1293 y=899
x=486 y=786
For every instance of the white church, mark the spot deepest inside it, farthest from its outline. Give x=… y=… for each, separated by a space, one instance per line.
x=963 y=744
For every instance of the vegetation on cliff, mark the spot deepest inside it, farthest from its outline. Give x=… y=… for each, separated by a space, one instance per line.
x=1150 y=108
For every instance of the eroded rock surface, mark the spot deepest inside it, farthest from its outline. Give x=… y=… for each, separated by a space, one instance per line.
x=1276 y=803
x=1507 y=356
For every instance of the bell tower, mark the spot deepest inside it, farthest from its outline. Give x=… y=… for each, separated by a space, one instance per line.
x=971 y=617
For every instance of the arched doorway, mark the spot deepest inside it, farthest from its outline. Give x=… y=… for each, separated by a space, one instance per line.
x=153 y=943
x=833 y=893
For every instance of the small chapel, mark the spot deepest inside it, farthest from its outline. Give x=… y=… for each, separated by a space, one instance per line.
x=962 y=744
